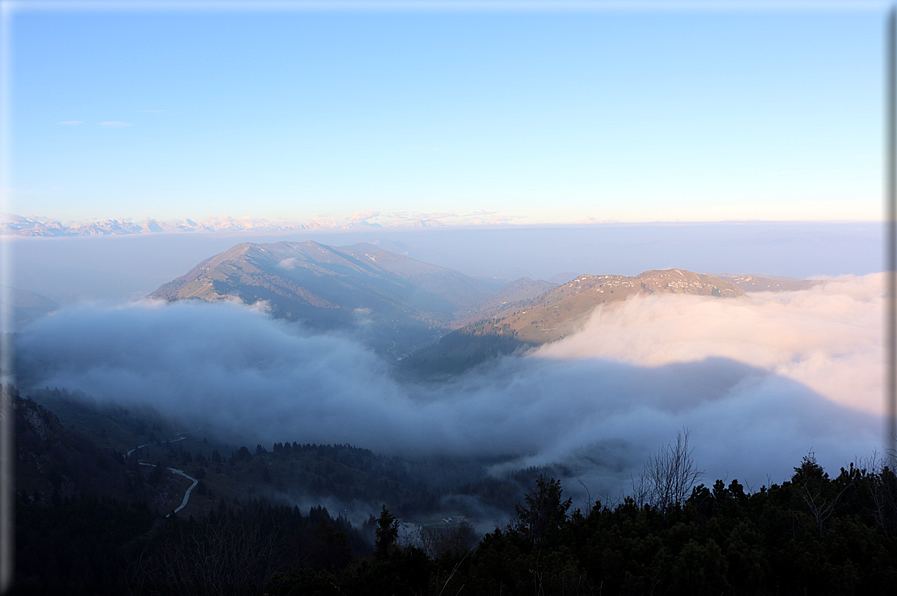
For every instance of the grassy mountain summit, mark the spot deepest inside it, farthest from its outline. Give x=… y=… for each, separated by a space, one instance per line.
x=561 y=310
x=556 y=313
x=767 y=283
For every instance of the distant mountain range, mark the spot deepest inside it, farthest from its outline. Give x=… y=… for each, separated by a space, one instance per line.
x=18 y=225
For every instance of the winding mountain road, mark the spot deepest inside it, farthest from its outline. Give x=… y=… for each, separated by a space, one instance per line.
x=172 y=470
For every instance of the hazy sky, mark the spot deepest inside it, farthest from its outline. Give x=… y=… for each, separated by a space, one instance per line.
x=527 y=115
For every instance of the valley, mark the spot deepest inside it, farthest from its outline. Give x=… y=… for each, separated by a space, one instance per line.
x=299 y=398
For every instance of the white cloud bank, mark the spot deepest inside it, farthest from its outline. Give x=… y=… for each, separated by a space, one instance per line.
x=759 y=382
x=829 y=337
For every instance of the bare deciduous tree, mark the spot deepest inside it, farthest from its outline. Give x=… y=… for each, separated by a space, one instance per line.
x=668 y=476
x=452 y=541
x=217 y=556
x=821 y=495
x=882 y=487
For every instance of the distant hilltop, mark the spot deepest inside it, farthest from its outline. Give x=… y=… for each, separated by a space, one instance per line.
x=18 y=225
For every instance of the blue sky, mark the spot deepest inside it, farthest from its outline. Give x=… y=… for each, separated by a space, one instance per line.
x=514 y=116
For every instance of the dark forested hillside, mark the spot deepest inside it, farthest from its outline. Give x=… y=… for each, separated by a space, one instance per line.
x=92 y=519
x=811 y=535
x=129 y=454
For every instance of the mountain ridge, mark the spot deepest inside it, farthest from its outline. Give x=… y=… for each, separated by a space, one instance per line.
x=574 y=300
x=555 y=314
x=424 y=315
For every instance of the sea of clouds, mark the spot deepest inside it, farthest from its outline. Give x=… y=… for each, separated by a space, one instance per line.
x=759 y=382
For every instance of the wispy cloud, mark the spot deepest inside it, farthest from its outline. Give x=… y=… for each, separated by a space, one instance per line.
x=114 y=124
x=70 y=122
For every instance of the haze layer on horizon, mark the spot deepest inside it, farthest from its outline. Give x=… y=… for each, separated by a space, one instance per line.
x=75 y=269
x=464 y=117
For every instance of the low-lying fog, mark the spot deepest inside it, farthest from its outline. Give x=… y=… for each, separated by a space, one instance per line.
x=759 y=382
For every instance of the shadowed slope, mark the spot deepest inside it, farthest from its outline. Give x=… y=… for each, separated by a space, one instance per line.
x=328 y=286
